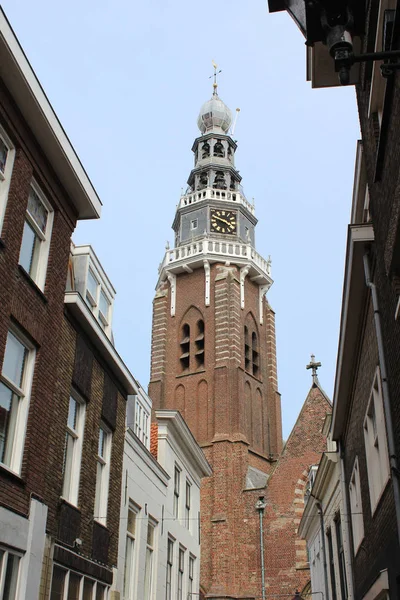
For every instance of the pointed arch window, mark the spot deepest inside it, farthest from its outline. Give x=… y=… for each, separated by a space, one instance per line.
x=199 y=344
x=247 y=361
x=185 y=347
x=251 y=351
x=255 y=354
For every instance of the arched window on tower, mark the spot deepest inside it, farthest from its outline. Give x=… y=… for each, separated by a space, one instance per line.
x=199 y=343
x=255 y=354
x=185 y=347
x=205 y=150
x=219 y=149
x=247 y=361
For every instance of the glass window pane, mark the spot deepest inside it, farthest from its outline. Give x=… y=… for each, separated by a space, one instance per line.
x=72 y=413
x=131 y=527
x=3 y=155
x=150 y=535
x=88 y=585
x=37 y=210
x=14 y=359
x=8 y=419
x=29 y=244
x=74 y=585
x=68 y=457
x=100 y=591
x=57 y=585
x=11 y=578
x=101 y=443
x=104 y=304
x=92 y=285
x=128 y=571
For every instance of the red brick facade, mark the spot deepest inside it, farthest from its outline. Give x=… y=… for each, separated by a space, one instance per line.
x=236 y=417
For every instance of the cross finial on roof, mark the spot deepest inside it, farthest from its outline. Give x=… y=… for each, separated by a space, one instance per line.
x=215 y=84
x=314 y=366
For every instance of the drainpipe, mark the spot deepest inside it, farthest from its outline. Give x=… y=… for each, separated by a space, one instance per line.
x=260 y=506
x=345 y=520
x=322 y=525
x=385 y=392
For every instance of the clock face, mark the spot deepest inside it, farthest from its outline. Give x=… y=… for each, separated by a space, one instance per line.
x=223 y=221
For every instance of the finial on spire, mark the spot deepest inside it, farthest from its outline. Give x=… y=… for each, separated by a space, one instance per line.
x=314 y=366
x=215 y=84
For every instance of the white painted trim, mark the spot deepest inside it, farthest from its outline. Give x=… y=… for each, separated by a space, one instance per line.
x=207 y=271
x=243 y=274
x=263 y=289
x=172 y=282
x=380 y=586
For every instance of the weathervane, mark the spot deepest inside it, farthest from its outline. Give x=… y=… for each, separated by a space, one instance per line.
x=215 y=84
x=314 y=366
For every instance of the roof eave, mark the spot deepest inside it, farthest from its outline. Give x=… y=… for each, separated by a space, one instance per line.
x=29 y=96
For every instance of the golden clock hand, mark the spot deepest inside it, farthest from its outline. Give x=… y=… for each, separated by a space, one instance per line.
x=223 y=220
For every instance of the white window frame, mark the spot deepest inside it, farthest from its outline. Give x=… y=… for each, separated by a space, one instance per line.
x=356 y=511
x=42 y=259
x=188 y=501
x=376 y=449
x=5 y=177
x=177 y=491
x=82 y=577
x=103 y=475
x=142 y=423
x=24 y=394
x=3 y=569
x=70 y=490
x=129 y=584
x=150 y=560
x=194 y=223
x=180 y=573
x=170 y=567
x=191 y=578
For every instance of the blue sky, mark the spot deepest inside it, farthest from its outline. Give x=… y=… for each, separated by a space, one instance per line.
x=127 y=80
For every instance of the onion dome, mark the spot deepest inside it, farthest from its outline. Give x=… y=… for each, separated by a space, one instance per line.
x=214 y=116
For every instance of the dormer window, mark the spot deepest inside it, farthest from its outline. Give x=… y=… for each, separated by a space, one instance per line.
x=98 y=299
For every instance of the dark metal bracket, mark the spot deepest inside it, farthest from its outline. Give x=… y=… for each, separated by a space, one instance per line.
x=345 y=59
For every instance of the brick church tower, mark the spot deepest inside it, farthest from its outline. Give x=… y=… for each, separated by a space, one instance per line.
x=214 y=357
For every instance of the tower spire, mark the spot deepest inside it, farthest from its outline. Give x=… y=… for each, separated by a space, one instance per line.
x=215 y=76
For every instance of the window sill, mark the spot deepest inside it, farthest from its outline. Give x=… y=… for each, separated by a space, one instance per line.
x=188 y=373
x=65 y=501
x=7 y=472
x=33 y=285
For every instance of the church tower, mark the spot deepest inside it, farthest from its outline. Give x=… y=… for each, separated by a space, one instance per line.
x=214 y=357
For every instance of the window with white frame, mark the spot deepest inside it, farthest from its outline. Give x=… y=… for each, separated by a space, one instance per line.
x=191 y=577
x=7 y=154
x=70 y=585
x=98 y=299
x=376 y=443
x=130 y=552
x=194 y=224
x=181 y=569
x=9 y=569
x=187 y=503
x=177 y=487
x=103 y=474
x=149 y=564
x=170 y=564
x=142 y=422
x=73 y=448
x=15 y=386
x=357 y=520
x=35 y=245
